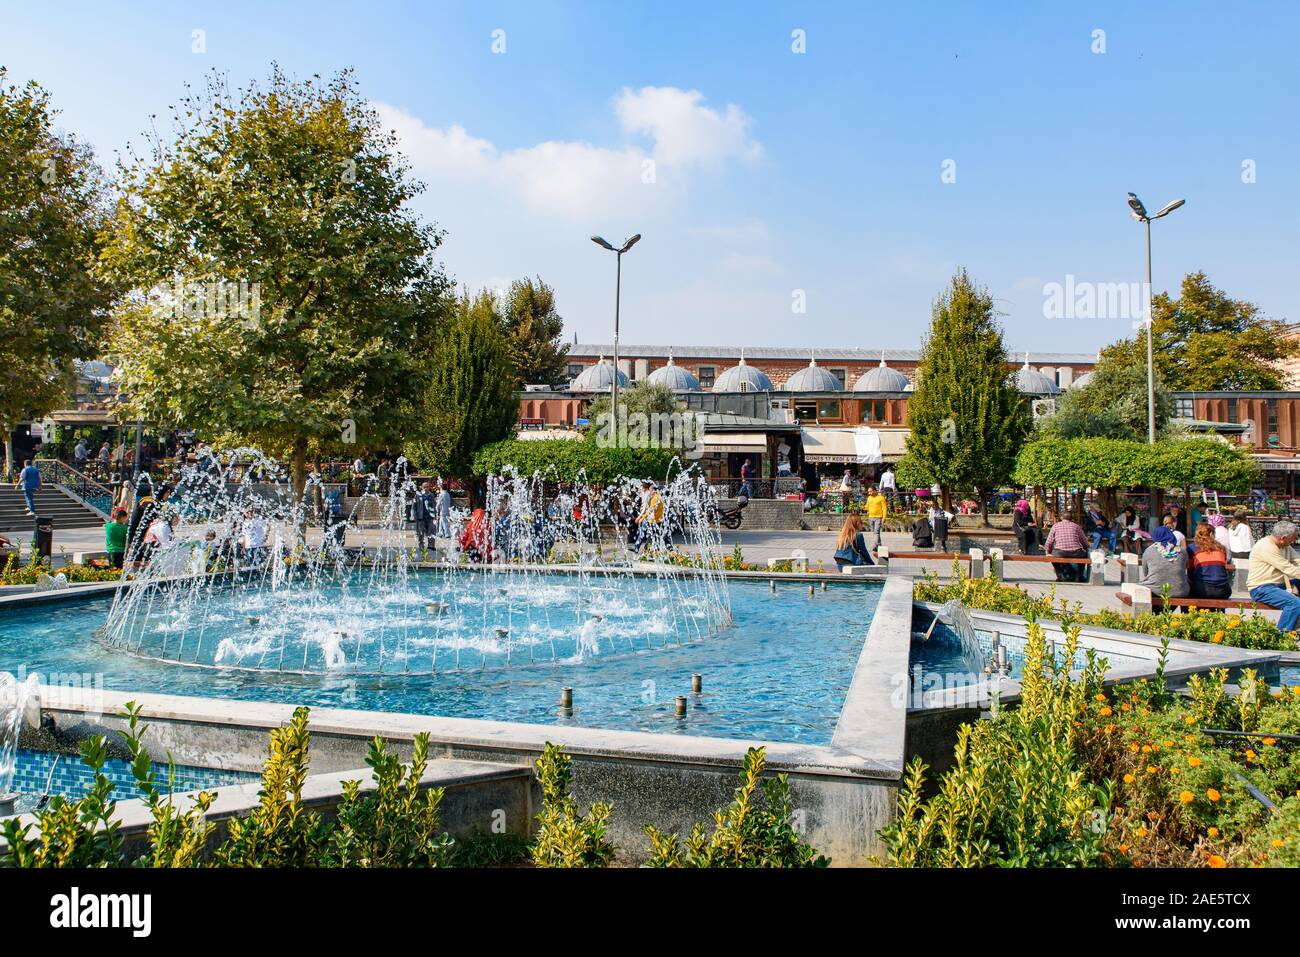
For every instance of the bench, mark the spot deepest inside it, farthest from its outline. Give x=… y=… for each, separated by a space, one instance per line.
x=995 y=558
x=1222 y=604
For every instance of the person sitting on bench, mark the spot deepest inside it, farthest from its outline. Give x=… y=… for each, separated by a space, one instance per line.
x=1274 y=565
x=1207 y=565
x=1022 y=524
x=1165 y=563
x=1065 y=539
x=851 y=549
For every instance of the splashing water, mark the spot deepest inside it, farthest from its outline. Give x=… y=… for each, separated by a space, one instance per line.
x=550 y=572
x=955 y=615
x=16 y=697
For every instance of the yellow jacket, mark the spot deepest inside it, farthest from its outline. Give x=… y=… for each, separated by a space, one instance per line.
x=654 y=510
x=877 y=505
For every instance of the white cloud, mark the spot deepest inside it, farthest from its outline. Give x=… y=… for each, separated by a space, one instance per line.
x=577 y=180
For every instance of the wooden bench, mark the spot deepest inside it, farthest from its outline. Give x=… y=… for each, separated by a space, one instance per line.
x=1220 y=603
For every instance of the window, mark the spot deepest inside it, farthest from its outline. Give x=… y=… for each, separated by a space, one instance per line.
x=828 y=409
x=575 y=369
x=842 y=375
x=805 y=411
x=873 y=410
x=706 y=375
x=1184 y=409
x=1232 y=410
x=1272 y=421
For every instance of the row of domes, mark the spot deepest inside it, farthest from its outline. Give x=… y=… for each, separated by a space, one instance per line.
x=812 y=378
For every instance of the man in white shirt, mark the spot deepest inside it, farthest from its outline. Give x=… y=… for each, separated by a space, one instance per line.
x=888 y=485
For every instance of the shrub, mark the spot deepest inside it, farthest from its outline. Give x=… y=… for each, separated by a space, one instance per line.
x=1017 y=796
x=746 y=833
x=566 y=838
x=396 y=825
x=280 y=832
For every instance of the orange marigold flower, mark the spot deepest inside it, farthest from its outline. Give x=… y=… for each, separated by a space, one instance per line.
x=1250 y=755
x=1213 y=831
x=1269 y=742
x=1278 y=842
x=1106 y=712
x=1142 y=831
x=1216 y=861
x=1133 y=748
x=1188 y=719
x=1129 y=779
x=1218 y=636
x=1152 y=768
x=1187 y=797
x=1194 y=761
x=1212 y=794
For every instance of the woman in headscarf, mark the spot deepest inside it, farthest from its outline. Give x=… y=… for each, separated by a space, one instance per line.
x=1221 y=535
x=1022 y=523
x=1165 y=563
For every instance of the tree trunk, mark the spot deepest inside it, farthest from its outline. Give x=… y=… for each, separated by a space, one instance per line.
x=9 y=450
x=985 y=495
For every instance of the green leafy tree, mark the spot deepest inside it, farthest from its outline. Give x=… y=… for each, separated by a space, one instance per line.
x=565 y=459
x=1111 y=404
x=285 y=294
x=648 y=398
x=534 y=328
x=1204 y=341
x=472 y=399
x=53 y=305
x=966 y=416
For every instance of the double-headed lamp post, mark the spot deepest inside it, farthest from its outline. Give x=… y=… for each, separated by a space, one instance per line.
x=618 y=252
x=1140 y=214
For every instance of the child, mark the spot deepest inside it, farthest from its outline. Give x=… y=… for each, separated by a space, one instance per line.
x=115 y=538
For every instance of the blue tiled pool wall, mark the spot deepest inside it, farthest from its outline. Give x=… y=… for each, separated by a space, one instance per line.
x=72 y=778
x=943 y=652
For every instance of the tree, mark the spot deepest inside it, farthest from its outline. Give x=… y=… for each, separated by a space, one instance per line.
x=472 y=399
x=53 y=306
x=1111 y=404
x=1206 y=341
x=648 y=398
x=534 y=328
x=967 y=418
x=285 y=294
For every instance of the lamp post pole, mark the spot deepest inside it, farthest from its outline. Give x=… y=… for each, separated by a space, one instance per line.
x=618 y=295
x=1139 y=212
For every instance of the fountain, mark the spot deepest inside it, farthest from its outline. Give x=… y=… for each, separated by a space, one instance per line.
x=955 y=615
x=562 y=572
x=17 y=701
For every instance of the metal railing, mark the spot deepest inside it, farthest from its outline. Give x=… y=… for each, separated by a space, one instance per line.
x=92 y=493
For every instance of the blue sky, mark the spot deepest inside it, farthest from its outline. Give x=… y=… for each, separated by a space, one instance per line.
x=773 y=171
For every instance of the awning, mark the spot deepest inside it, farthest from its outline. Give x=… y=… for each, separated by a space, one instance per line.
x=860 y=446
x=735 y=442
x=893 y=443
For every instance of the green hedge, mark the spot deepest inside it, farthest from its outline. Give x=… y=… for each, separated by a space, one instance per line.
x=1114 y=463
x=563 y=459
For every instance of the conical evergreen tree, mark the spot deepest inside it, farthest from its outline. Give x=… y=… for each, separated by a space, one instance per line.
x=968 y=419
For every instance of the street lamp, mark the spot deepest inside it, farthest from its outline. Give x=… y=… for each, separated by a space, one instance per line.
x=618 y=285
x=1139 y=212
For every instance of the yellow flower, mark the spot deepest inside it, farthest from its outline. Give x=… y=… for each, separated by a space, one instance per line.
x=1123 y=848
x=1218 y=636
x=1234 y=623
x=1129 y=779
x=1188 y=719
x=1100 y=696
x=1278 y=842
x=1146 y=749
x=1142 y=831
x=1106 y=712
x=1213 y=832
x=1175 y=770
x=1216 y=861
x=1133 y=748
x=1212 y=794
x=1187 y=797
x=1168 y=744
x=1152 y=768
x=1250 y=755
x=1194 y=761
x=1269 y=742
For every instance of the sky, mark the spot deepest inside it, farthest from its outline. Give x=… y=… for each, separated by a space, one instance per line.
x=801 y=175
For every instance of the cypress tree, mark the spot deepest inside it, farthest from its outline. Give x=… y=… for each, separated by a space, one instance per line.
x=967 y=418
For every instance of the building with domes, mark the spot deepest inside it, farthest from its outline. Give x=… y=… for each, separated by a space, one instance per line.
x=743 y=377
x=674 y=377
x=812 y=379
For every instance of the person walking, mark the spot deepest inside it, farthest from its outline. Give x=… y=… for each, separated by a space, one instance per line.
x=746 y=478
x=888 y=484
x=81 y=455
x=443 y=506
x=105 y=453
x=1240 y=538
x=877 y=509
x=851 y=547
x=1207 y=565
x=1066 y=540
x=1274 y=566
x=422 y=512
x=1164 y=563
x=29 y=479
x=846 y=490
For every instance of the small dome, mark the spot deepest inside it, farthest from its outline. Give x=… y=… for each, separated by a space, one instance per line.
x=813 y=379
x=882 y=379
x=1032 y=382
x=742 y=378
x=675 y=377
x=1082 y=381
x=597 y=378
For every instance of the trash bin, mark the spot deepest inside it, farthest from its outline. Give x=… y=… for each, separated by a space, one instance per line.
x=43 y=540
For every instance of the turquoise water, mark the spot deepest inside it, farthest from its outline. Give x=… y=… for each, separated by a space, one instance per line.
x=944 y=655
x=778 y=671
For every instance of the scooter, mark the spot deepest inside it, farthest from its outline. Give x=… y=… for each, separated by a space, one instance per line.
x=729 y=516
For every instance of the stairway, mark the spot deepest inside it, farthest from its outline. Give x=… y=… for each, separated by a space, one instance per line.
x=66 y=511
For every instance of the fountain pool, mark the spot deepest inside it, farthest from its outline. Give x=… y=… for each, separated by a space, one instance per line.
x=776 y=669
